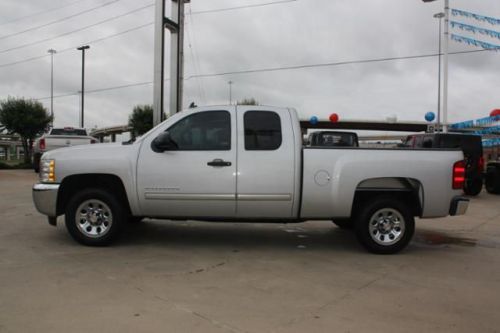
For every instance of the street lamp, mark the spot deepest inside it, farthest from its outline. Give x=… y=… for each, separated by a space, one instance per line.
x=83 y=48
x=52 y=52
x=439 y=16
x=445 y=71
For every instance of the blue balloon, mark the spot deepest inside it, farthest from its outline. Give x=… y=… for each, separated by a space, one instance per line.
x=313 y=120
x=430 y=116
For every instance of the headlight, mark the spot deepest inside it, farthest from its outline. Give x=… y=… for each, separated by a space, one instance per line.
x=48 y=171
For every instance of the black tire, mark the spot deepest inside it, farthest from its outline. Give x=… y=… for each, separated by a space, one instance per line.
x=370 y=214
x=473 y=187
x=492 y=182
x=135 y=219
x=344 y=224
x=36 y=162
x=104 y=203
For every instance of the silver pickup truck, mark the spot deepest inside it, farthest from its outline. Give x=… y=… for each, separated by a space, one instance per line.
x=247 y=163
x=59 y=138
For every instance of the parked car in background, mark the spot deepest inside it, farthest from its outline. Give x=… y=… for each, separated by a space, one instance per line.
x=332 y=139
x=59 y=138
x=470 y=144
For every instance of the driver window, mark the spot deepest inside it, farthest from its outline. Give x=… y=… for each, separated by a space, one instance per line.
x=209 y=130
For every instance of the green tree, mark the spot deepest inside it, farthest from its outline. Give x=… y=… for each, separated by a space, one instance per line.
x=248 y=101
x=141 y=119
x=26 y=118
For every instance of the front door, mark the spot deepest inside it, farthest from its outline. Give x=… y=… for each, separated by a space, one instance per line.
x=197 y=179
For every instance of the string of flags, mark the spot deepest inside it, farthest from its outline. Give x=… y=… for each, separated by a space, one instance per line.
x=475 y=30
x=475 y=42
x=490 y=20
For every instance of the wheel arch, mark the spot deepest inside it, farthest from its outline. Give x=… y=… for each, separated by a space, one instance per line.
x=74 y=183
x=408 y=190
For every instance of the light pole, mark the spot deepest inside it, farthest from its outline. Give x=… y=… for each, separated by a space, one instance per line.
x=230 y=92
x=439 y=16
x=52 y=52
x=83 y=48
x=445 y=62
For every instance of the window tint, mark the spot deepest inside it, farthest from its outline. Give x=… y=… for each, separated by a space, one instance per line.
x=262 y=130
x=203 y=131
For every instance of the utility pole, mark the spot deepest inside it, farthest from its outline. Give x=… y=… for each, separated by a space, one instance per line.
x=176 y=27
x=52 y=52
x=230 y=92
x=439 y=16
x=83 y=48
x=446 y=54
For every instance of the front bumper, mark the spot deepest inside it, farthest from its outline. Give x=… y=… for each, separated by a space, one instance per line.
x=459 y=206
x=45 y=198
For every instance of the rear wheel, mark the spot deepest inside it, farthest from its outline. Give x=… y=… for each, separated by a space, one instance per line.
x=492 y=182
x=385 y=225
x=473 y=187
x=36 y=162
x=94 y=217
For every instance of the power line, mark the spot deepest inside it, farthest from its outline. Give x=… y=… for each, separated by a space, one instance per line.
x=275 y=69
x=242 y=7
x=20 y=18
x=75 y=31
x=60 y=20
x=94 y=41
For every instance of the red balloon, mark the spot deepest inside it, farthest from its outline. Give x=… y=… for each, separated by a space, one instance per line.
x=495 y=113
x=334 y=117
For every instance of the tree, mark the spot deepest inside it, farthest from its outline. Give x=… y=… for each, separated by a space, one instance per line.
x=141 y=119
x=26 y=118
x=248 y=101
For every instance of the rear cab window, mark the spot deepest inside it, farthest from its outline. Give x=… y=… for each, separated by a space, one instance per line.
x=262 y=130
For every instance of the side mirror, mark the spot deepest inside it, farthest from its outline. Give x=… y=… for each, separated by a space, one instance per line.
x=163 y=142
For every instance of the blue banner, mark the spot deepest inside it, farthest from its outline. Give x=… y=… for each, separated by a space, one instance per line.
x=473 y=29
x=482 y=18
x=476 y=123
x=491 y=142
x=475 y=42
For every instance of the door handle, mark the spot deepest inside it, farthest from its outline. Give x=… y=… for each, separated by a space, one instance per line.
x=219 y=163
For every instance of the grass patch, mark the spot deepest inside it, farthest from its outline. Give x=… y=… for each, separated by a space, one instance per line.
x=14 y=164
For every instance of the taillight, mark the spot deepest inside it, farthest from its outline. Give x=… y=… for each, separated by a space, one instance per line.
x=458 y=175
x=93 y=141
x=42 y=144
x=480 y=164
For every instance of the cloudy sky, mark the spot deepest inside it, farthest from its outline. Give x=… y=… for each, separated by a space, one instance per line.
x=284 y=34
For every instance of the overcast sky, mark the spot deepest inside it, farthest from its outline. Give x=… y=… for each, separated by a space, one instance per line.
x=294 y=33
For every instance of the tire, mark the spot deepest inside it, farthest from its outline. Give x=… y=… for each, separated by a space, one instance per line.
x=343 y=224
x=94 y=217
x=36 y=162
x=385 y=225
x=473 y=187
x=492 y=182
x=135 y=219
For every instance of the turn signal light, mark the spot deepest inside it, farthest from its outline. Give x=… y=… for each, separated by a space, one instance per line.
x=458 y=175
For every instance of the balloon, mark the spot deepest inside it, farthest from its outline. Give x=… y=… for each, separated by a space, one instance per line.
x=334 y=117
x=313 y=120
x=430 y=116
x=495 y=113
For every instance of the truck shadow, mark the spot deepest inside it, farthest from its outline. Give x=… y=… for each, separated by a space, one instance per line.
x=319 y=236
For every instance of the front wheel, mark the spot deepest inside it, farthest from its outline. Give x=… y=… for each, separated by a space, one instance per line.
x=94 y=217
x=385 y=225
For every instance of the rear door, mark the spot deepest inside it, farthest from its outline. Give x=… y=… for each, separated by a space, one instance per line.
x=266 y=163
